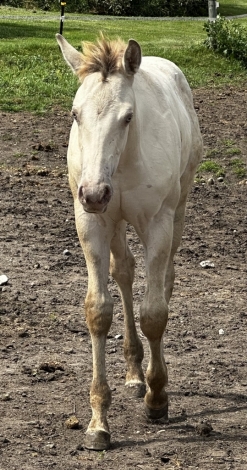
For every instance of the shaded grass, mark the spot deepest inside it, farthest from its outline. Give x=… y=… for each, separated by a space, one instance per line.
x=232 y=7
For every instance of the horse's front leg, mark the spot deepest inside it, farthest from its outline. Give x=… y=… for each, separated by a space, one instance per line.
x=157 y=241
x=95 y=240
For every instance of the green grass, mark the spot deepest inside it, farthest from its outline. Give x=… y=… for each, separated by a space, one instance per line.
x=11 y=11
x=227 y=166
x=228 y=143
x=233 y=151
x=35 y=77
x=238 y=167
x=210 y=166
x=232 y=7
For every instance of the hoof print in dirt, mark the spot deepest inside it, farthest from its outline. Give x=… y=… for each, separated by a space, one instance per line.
x=50 y=371
x=43 y=147
x=165 y=459
x=46 y=371
x=204 y=428
x=23 y=333
x=51 y=366
x=43 y=172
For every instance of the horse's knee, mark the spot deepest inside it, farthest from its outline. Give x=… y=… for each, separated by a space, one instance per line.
x=153 y=318
x=122 y=270
x=99 y=312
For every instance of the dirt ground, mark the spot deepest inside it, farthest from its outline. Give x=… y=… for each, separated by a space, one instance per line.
x=45 y=349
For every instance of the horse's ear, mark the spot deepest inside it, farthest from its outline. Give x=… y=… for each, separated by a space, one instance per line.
x=132 y=57
x=71 y=55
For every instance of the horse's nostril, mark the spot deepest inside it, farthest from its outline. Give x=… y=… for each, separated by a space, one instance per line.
x=107 y=191
x=106 y=194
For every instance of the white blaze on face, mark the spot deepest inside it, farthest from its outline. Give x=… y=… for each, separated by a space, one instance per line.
x=103 y=111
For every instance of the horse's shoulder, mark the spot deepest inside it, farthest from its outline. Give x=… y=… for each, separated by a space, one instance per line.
x=165 y=71
x=159 y=65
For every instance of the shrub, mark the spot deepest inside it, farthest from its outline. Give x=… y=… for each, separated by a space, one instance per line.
x=150 y=7
x=120 y=7
x=12 y=3
x=79 y=6
x=75 y=6
x=110 y=7
x=228 y=38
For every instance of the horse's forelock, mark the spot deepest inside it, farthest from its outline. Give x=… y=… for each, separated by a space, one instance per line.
x=103 y=56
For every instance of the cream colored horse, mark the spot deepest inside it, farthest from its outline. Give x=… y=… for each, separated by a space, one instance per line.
x=134 y=146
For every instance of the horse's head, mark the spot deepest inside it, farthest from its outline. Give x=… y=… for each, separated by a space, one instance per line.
x=103 y=108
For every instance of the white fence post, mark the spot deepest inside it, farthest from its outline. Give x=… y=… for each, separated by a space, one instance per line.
x=212 y=10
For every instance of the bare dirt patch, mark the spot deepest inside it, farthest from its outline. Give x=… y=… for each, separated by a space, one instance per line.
x=45 y=349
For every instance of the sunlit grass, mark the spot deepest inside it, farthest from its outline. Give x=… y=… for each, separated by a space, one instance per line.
x=210 y=166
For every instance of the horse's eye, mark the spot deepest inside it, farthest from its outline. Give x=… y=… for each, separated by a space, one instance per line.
x=128 y=118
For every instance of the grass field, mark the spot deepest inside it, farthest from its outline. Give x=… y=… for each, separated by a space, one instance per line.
x=34 y=76
x=233 y=7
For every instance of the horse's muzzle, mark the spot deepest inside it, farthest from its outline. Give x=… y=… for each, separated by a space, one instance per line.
x=95 y=198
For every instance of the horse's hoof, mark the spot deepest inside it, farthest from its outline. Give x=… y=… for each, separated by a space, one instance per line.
x=135 y=389
x=97 y=440
x=159 y=413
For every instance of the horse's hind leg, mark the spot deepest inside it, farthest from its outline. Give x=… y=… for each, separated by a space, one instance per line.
x=122 y=269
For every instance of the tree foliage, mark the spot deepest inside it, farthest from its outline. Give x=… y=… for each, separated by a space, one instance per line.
x=120 y=7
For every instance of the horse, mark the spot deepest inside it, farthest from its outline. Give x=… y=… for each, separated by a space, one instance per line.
x=134 y=147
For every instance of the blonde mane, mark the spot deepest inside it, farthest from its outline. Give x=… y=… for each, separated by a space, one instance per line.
x=104 y=56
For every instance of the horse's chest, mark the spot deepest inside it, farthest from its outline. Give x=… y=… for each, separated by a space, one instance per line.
x=139 y=205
